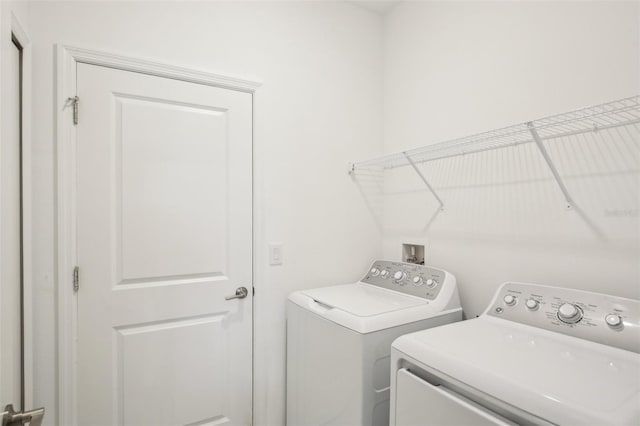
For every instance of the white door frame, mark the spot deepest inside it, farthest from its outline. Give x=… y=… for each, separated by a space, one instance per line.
x=67 y=58
x=18 y=32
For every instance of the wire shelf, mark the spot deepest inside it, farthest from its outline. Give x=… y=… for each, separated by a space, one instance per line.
x=605 y=116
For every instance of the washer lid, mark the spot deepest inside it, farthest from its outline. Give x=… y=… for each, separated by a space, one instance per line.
x=559 y=378
x=364 y=308
x=363 y=300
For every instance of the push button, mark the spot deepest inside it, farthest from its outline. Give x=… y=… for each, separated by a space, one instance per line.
x=532 y=304
x=613 y=320
x=509 y=300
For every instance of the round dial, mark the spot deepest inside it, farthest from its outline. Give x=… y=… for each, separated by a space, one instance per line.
x=384 y=273
x=569 y=313
x=613 y=320
x=532 y=304
x=375 y=272
x=509 y=300
x=418 y=280
x=431 y=283
x=399 y=276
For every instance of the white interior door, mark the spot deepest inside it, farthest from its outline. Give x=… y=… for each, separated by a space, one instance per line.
x=164 y=234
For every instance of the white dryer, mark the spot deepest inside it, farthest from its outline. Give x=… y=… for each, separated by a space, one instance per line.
x=339 y=340
x=538 y=355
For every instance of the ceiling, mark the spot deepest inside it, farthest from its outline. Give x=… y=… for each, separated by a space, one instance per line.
x=381 y=7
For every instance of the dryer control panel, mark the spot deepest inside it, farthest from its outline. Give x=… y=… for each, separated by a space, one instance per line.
x=601 y=318
x=415 y=280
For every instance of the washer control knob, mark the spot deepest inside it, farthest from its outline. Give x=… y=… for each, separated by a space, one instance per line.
x=399 y=276
x=431 y=283
x=418 y=281
x=375 y=272
x=569 y=313
x=532 y=304
x=613 y=320
x=384 y=273
x=509 y=300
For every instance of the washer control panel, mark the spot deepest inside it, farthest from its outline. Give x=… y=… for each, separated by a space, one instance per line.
x=409 y=278
x=610 y=320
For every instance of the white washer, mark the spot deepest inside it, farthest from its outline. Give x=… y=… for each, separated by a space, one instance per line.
x=538 y=355
x=339 y=340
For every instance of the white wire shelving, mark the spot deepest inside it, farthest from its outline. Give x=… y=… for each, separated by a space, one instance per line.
x=622 y=112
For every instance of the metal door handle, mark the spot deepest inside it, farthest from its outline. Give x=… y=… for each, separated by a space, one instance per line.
x=12 y=418
x=241 y=293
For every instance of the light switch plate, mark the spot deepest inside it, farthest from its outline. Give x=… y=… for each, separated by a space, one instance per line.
x=275 y=253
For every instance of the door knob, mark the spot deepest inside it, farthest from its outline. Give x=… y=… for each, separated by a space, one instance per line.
x=13 y=418
x=241 y=293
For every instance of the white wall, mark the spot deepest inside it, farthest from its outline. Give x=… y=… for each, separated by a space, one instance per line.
x=319 y=107
x=452 y=69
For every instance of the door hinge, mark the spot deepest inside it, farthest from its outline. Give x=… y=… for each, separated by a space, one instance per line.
x=74 y=104
x=76 y=279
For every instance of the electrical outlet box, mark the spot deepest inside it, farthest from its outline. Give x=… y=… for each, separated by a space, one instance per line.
x=413 y=253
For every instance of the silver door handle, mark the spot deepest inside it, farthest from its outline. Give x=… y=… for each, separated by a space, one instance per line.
x=13 y=418
x=241 y=293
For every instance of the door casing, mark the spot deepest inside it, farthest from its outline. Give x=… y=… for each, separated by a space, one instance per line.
x=67 y=57
x=18 y=33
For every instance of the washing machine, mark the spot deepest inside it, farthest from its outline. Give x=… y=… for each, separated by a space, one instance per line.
x=539 y=355
x=339 y=340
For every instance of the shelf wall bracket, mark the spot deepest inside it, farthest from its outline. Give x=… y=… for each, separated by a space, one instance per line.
x=552 y=167
x=426 y=182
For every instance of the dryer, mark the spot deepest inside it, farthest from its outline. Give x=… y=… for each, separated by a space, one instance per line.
x=539 y=355
x=339 y=340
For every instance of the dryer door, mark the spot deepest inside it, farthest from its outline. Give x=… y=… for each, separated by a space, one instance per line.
x=421 y=403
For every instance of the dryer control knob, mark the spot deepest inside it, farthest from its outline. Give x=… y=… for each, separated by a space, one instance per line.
x=509 y=300
x=431 y=283
x=532 y=304
x=418 y=281
x=384 y=273
x=375 y=272
x=400 y=276
x=613 y=320
x=569 y=313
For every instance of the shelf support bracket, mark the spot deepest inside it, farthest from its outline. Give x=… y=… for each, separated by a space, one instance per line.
x=552 y=167
x=426 y=182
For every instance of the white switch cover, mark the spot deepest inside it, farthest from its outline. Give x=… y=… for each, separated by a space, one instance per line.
x=275 y=253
